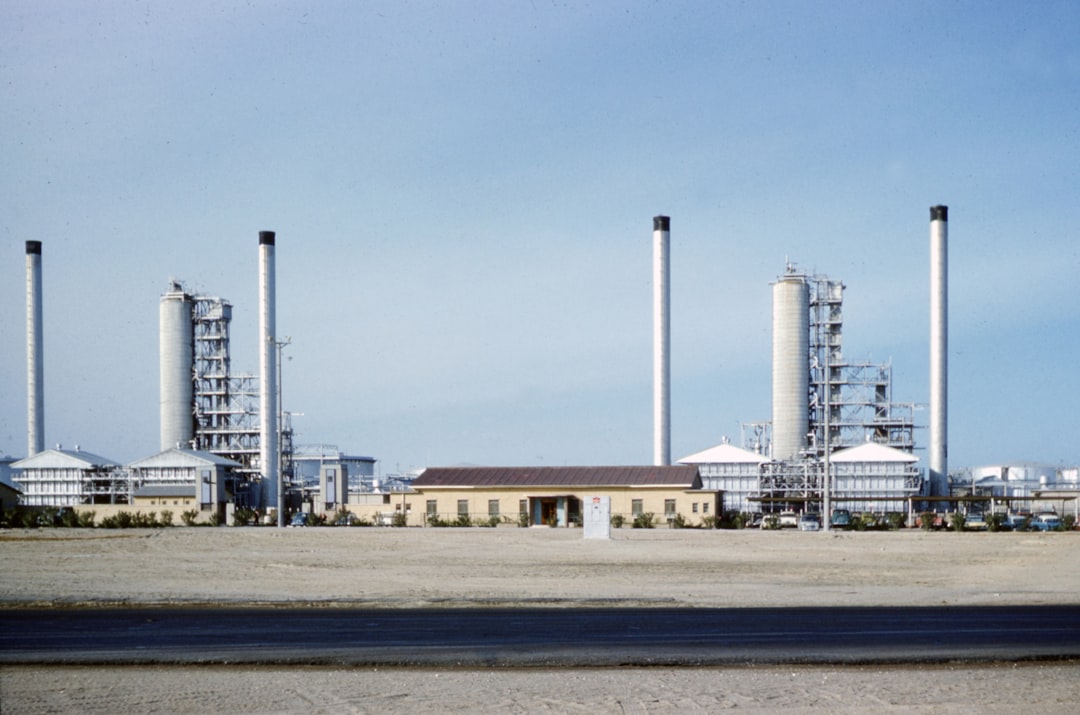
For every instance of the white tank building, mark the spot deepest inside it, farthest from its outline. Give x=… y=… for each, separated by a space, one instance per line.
x=828 y=413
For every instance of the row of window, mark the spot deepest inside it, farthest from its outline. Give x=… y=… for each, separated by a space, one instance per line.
x=636 y=507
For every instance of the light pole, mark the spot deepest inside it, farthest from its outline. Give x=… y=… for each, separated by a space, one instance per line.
x=280 y=476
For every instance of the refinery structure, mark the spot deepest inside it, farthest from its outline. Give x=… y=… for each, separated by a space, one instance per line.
x=837 y=438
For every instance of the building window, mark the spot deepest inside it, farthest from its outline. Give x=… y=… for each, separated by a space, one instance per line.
x=693 y=507
x=669 y=508
x=705 y=508
x=523 y=506
x=636 y=507
x=432 y=507
x=463 y=507
x=493 y=508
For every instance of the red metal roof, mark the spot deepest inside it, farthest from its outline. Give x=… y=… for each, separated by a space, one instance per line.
x=678 y=476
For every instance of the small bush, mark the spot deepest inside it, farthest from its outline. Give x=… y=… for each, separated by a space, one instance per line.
x=400 y=519
x=166 y=518
x=894 y=521
x=994 y=521
x=523 y=520
x=244 y=516
x=189 y=517
x=1068 y=521
x=770 y=521
x=644 y=520
x=679 y=522
x=927 y=520
x=708 y=522
x=86 y=519
x=617 y=520
x=463 y=520
x=957 y=521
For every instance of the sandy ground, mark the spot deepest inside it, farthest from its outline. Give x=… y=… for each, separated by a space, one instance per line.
x=522 y=567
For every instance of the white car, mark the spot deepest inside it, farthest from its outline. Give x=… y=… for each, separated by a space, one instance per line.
x=809 y=521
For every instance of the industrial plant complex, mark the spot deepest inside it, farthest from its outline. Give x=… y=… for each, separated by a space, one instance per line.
x=838 y=441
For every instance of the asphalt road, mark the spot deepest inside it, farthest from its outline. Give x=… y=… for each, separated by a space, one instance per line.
x=537 y=637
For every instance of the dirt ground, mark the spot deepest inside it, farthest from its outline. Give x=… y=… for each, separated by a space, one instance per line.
x=389 y=567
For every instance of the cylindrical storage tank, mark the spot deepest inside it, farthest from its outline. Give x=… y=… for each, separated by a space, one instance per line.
x=790 y=366
x=35 y=366
x=176 y=357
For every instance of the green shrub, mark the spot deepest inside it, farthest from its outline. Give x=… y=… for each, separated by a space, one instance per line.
x=926 y=520
x=994 y=521
x=617 y=520
x=463 y=520
x=957 y=521
x=709 y=522
x=189 y=517
x=400 y=519
x=770 y=521
x=894 y=521
x=523 y=519
x=679 y=522
x=733 y=519
x=85 y=519
x=1068 y=521
x=644 y=520
x=244 y=516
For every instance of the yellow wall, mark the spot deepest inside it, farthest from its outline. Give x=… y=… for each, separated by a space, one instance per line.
x=622 y=499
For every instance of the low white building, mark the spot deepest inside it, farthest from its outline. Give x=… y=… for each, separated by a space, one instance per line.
x=734 y=471
x=874 y=477
x=204 y=475
x=70 y=477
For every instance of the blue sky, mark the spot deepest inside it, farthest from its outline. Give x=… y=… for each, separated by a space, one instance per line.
x=463 y=197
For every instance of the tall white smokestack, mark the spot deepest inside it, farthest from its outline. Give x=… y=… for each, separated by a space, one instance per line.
x=939 y=349
x=268 y=457
x=661 y=342
x=35 y=365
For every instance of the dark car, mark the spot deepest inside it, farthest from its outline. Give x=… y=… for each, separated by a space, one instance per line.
x=841 y=518
x=300 y=518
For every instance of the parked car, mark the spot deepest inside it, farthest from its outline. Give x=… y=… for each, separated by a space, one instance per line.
x=1017 y=522
x=974 y=521
x=841 y=519
x=1047 y=522
x=809 y=521
x=300 y=518
x=789 y=520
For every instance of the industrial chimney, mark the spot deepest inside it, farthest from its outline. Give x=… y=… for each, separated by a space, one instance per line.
x=939 y=347
x=661 y=342
x=268 y=436
x=35 y=366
